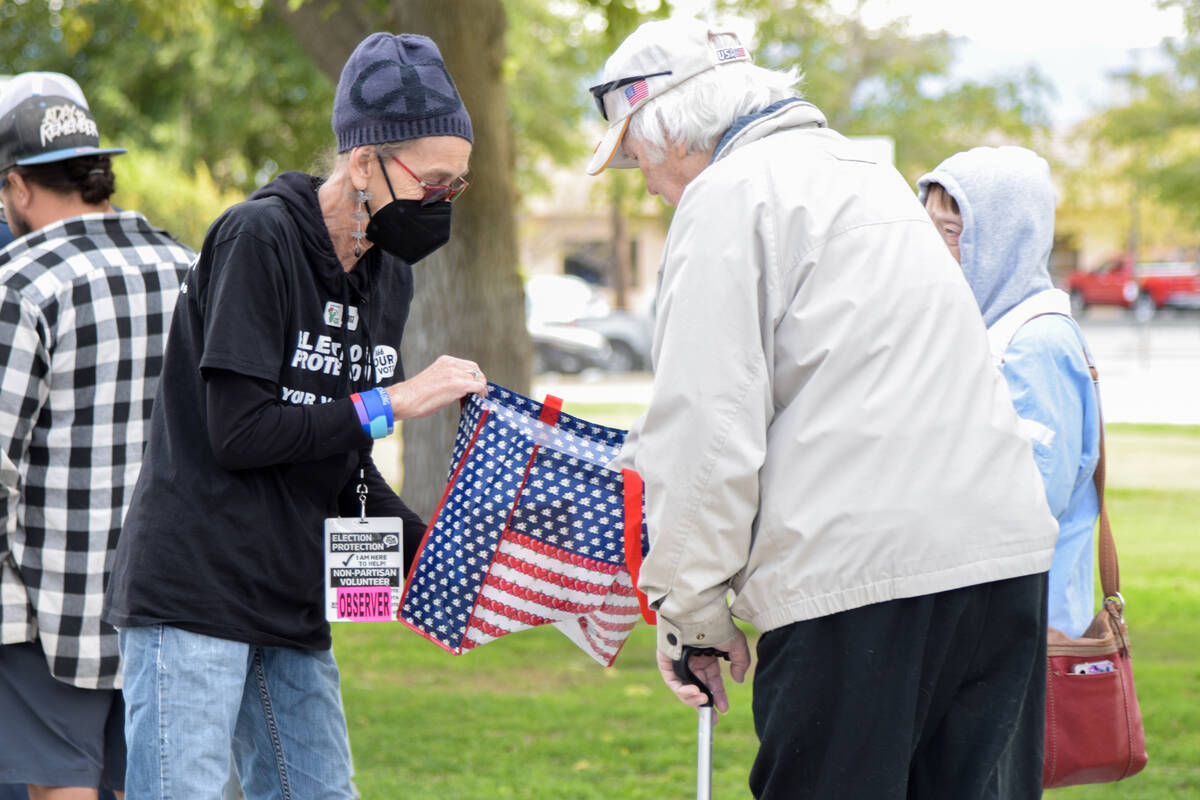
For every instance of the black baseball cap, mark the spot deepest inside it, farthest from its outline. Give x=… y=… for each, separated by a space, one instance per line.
x=45 y=118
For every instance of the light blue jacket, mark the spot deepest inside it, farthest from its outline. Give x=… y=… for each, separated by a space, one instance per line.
x=1006 y=200
x=1047 y=373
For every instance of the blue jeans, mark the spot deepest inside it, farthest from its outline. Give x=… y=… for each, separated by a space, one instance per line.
x=191 y=699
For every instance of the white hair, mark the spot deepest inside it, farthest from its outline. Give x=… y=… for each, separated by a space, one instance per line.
x=698 y=111
x=330 y=163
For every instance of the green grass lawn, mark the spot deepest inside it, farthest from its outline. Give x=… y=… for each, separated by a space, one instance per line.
x=531 y=716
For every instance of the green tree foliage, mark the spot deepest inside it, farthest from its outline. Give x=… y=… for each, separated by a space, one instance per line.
x=200 y=80
x=1155 y=136
x=211 y=96
x=889 y=82
x=548 y=57
x=870 y=82
x=224 y=83
x=555 y=50
x=184 y=202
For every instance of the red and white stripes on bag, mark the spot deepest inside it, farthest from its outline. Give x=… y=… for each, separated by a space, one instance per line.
x=532 y=529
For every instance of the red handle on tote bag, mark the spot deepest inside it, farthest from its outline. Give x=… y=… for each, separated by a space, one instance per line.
x=551 y=408
x=633 y=538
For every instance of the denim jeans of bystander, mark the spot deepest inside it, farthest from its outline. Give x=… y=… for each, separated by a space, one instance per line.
x=191 y=699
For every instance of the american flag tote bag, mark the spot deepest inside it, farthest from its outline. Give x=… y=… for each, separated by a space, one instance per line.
x=532 y=529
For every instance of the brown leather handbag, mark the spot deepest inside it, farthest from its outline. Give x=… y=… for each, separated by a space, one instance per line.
x=1093 y=723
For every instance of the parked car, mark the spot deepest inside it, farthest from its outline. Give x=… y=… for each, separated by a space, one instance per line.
x=630 y=335
x=562 y=299
x=1166 y=284
x=568 y=301
x=1143 y=287
x=566 y=348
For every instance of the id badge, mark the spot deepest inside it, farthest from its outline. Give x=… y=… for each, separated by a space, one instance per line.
x=364 y=562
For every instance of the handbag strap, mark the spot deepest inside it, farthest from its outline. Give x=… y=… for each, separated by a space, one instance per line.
x=1110 y=571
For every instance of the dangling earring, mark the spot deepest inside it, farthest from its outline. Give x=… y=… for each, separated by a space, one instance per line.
x=360 y=215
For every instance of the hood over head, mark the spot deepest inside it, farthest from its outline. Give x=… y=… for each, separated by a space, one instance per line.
x=1007 y=202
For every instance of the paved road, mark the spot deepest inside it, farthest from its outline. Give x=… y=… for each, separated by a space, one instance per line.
x=1149 y=372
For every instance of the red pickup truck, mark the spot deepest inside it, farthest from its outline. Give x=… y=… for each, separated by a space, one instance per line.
x=1144 y=287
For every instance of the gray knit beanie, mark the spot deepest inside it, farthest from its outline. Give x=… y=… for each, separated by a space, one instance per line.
x=395 y=88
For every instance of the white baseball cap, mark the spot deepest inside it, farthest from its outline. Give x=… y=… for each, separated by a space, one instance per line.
x=28 y=84
x=656 y=58
x=44 y=118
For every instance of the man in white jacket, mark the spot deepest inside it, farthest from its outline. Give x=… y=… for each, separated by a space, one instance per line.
x=828 y=452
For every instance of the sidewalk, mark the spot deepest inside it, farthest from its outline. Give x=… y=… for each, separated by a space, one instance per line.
x=1149 y=374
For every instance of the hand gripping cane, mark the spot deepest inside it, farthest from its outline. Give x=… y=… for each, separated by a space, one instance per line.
x=704 y=732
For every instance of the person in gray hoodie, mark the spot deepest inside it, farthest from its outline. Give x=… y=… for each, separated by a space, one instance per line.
x=994 y=207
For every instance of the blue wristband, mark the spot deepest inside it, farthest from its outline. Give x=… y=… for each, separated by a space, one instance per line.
x=379 y=412
x=386 y=400
x=378 y=428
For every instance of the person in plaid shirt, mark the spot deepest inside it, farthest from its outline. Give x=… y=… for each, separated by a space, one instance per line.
x=86 y=296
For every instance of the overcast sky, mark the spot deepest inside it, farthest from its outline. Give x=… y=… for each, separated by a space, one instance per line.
x=1074 y=43
x=1034 y=23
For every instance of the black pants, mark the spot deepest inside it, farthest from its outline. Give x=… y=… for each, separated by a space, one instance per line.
x=938 y=696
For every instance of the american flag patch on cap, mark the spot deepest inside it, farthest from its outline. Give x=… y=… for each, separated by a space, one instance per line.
x=730 y=54
x=636 y=92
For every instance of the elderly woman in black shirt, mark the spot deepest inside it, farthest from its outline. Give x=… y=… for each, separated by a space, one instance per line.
x=281 y=368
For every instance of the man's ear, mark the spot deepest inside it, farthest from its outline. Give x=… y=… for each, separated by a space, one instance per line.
x=21 y=191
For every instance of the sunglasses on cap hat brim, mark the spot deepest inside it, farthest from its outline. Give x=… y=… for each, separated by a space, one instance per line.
x=601 y=89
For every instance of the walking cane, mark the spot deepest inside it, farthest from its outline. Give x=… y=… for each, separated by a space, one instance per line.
x=704 y=731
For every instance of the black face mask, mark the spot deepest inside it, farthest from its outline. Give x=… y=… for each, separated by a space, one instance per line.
x=407 y=229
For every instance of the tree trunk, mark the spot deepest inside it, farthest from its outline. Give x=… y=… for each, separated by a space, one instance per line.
x=328 y=30
x=469 y=299
x=621 y=268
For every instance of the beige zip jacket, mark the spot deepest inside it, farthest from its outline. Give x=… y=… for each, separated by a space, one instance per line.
x=826 y=429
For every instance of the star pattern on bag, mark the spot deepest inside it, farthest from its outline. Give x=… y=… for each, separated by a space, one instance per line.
x=573 y=504
x=594 y=443
x=531 y=531
x=467 y=529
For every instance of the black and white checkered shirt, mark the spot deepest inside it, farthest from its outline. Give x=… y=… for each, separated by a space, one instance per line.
x=85 y=305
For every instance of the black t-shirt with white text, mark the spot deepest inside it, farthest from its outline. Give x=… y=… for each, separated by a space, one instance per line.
x=237 y=553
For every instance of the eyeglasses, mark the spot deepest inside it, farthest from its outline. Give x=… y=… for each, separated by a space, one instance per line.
x=599 y=90
x=3 y=215
x=436 y=192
